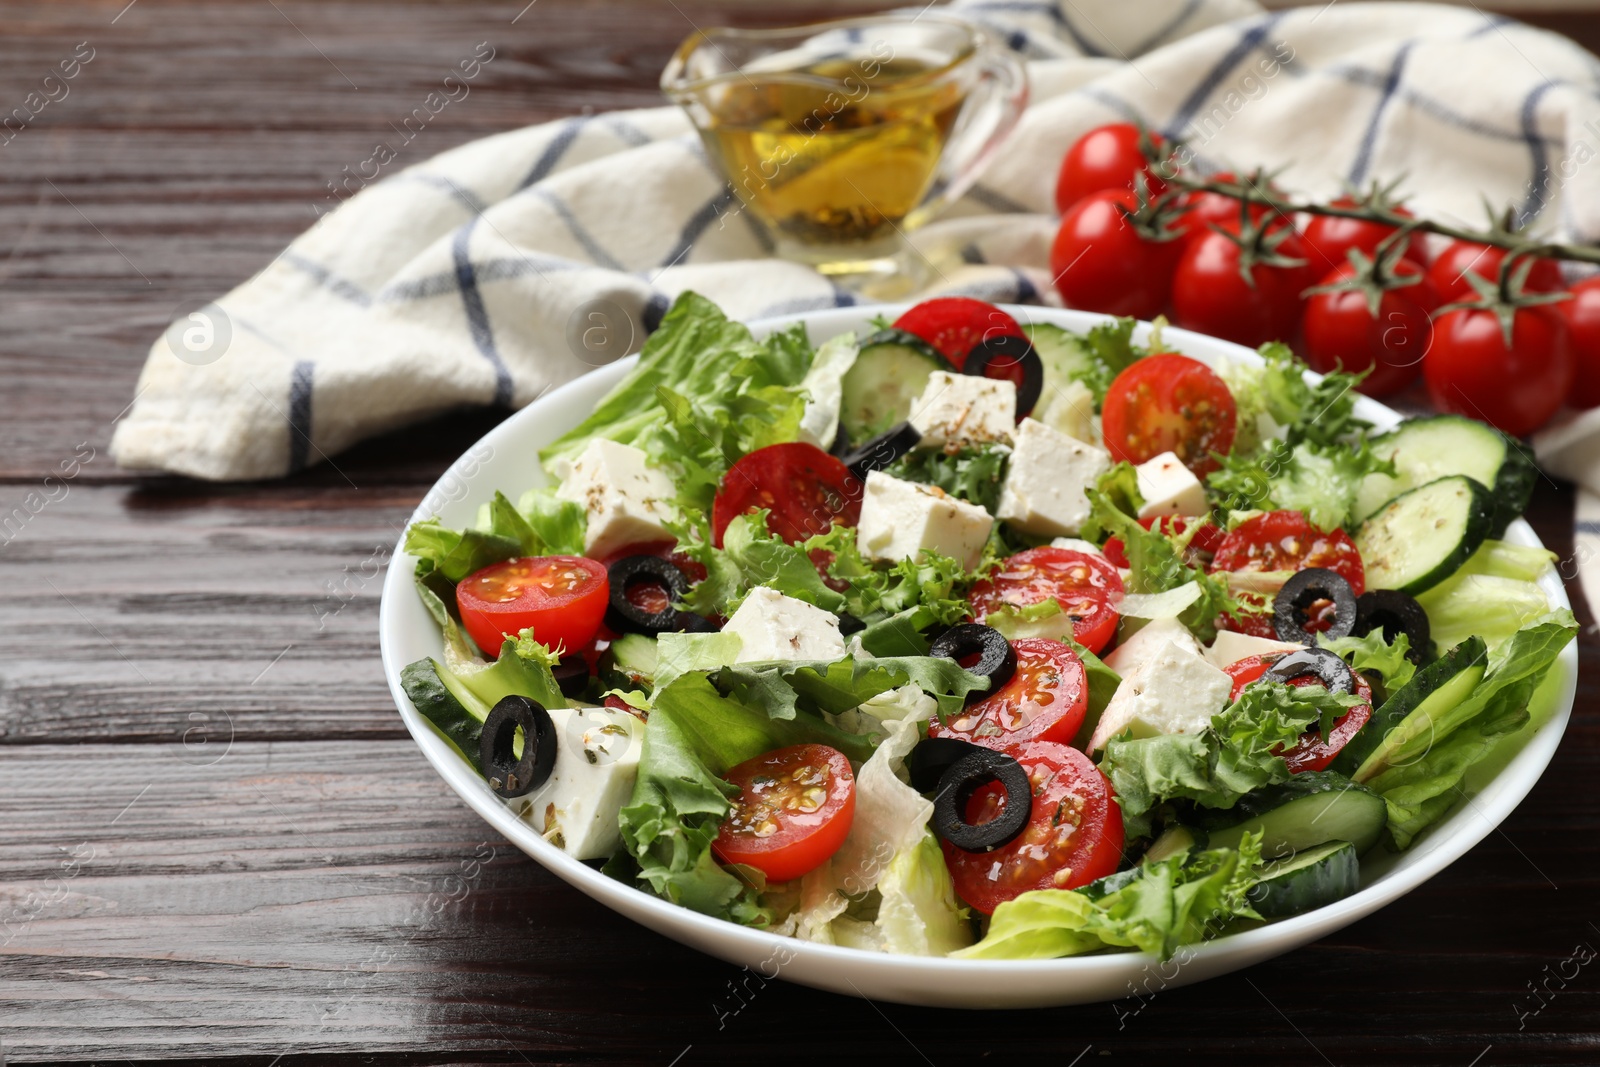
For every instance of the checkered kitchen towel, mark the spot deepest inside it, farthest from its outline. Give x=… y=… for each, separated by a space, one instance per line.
x=461 y=280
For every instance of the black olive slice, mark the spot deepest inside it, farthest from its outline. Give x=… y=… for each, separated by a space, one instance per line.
x=630 y=572
x=1303 y=590
x=509 y=776
x=965 y=776
x=849 y=624
x=882 y=450
x=1394 y=613
x=1325 y=665
x=691 y=623
x=932 y=757
x=1004 y=355
x=572 y=675
x=997 y=661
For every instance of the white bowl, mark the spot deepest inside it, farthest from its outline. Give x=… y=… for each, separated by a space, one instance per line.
x=506 y=459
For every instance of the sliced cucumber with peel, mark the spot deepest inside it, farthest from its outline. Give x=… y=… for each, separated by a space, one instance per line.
x=1424 y=535
x=1308 y=879
x=1176 y=840
x=1061 y=351
x=890 y=372
x=1426 y=449
x=1309 y=809
x=1409 y=718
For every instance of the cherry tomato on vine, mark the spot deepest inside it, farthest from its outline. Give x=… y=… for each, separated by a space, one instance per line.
x=1101 y=262
x=1582 y=314
x=562 y=598
x=793 y=811
x=1312 y=752
x=1074 y=833
x=1471 y=371
x=1107 y=157
x=1083 y=583
x=1169 y=403
x=955 y=325
x=1330 y=237
x=1340 y=332
x=1448 y=273
x=1211 y=295
x=1206 y=208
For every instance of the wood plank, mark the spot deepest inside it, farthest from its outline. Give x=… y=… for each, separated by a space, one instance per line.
x=311 y=898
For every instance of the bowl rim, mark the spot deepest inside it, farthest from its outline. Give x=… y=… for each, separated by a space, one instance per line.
x=1513 y=780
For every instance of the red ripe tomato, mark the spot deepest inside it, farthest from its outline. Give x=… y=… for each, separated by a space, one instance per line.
x=1201 y=547
x=1074 y=833
x=1206 y=209
x=1341 y=333
x=1471 y=372
x=1045 y=700
x=1448 y=274
x=561 y=598
x=1582 y=314
x=1282 y=541
x=1312 y=753
x=1330 y=238
x=1211 y=295
x=1083 y=583
x=955 y=325
x=1107 y=157
x=1169 y=403
x=805 y=490
x=793 y=811
x=1100 y=262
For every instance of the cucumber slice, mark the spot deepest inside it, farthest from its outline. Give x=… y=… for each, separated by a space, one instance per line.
x=1176 y=840
x=1427 y=449
x=630 y=662
x=890 y=371
x=1424 y=535
x=1061 y=351
x=1410 y=715
x=1309 y=809
x=1308 y=879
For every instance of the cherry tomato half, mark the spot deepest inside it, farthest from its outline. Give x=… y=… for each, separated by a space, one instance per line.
x=1107 y=157
x=1341 y=332
x=1169 y=403
x=793 y=811
x=955 y=325
x=1085 y=584
x=1312 y=753
x=561 y=598
x=1201 y=547
x=1045 y=700
x=1471 y=372
x=1582 y=313
x=1101 y=263
x=1283 y=541
x=805 y=490
x=1210 y=293
x=1330 y=238
x=1074 y=833
x=1448 y=273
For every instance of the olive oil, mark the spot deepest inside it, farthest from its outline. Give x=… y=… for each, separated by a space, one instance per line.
x=838 y=152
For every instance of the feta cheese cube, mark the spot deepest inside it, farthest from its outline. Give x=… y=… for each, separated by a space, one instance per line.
x=1169 y=488
x=1146 y=641
x=1044 y=488
x=899 y=519
x=1230 y=647
x=624 y=499
x=597 y=762
x=1068 y=408
x=773 y=626
x=1172 y=691
x=961 y=410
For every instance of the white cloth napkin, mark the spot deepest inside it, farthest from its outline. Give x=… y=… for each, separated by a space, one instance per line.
x=471 y=278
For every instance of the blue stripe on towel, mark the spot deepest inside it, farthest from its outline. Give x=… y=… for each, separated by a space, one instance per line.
x=477 y=315
x=1536 y=149
x=580 y=233
x=708 y=213
x=326 y=279
x=1369 y=136
x=554 y=151
x=1248 y=43
x=300 y=414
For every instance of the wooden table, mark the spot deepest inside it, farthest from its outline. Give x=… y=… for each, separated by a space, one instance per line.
x=217 y=843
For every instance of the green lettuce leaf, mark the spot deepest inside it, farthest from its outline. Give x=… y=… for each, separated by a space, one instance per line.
x=1120 y=487
x=558 y=524
x=1323 y=413
x=1234 y=755
x=1108 y=350
x=1320 y=480
x=972 y=474
x=1161 y=907
x=1156 y=565
x=1489 y=606
x=454 y=554
x=918 y=913
x=750 y=556
x=1372 y=655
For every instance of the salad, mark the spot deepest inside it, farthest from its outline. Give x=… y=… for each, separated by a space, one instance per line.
x=988 y=640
